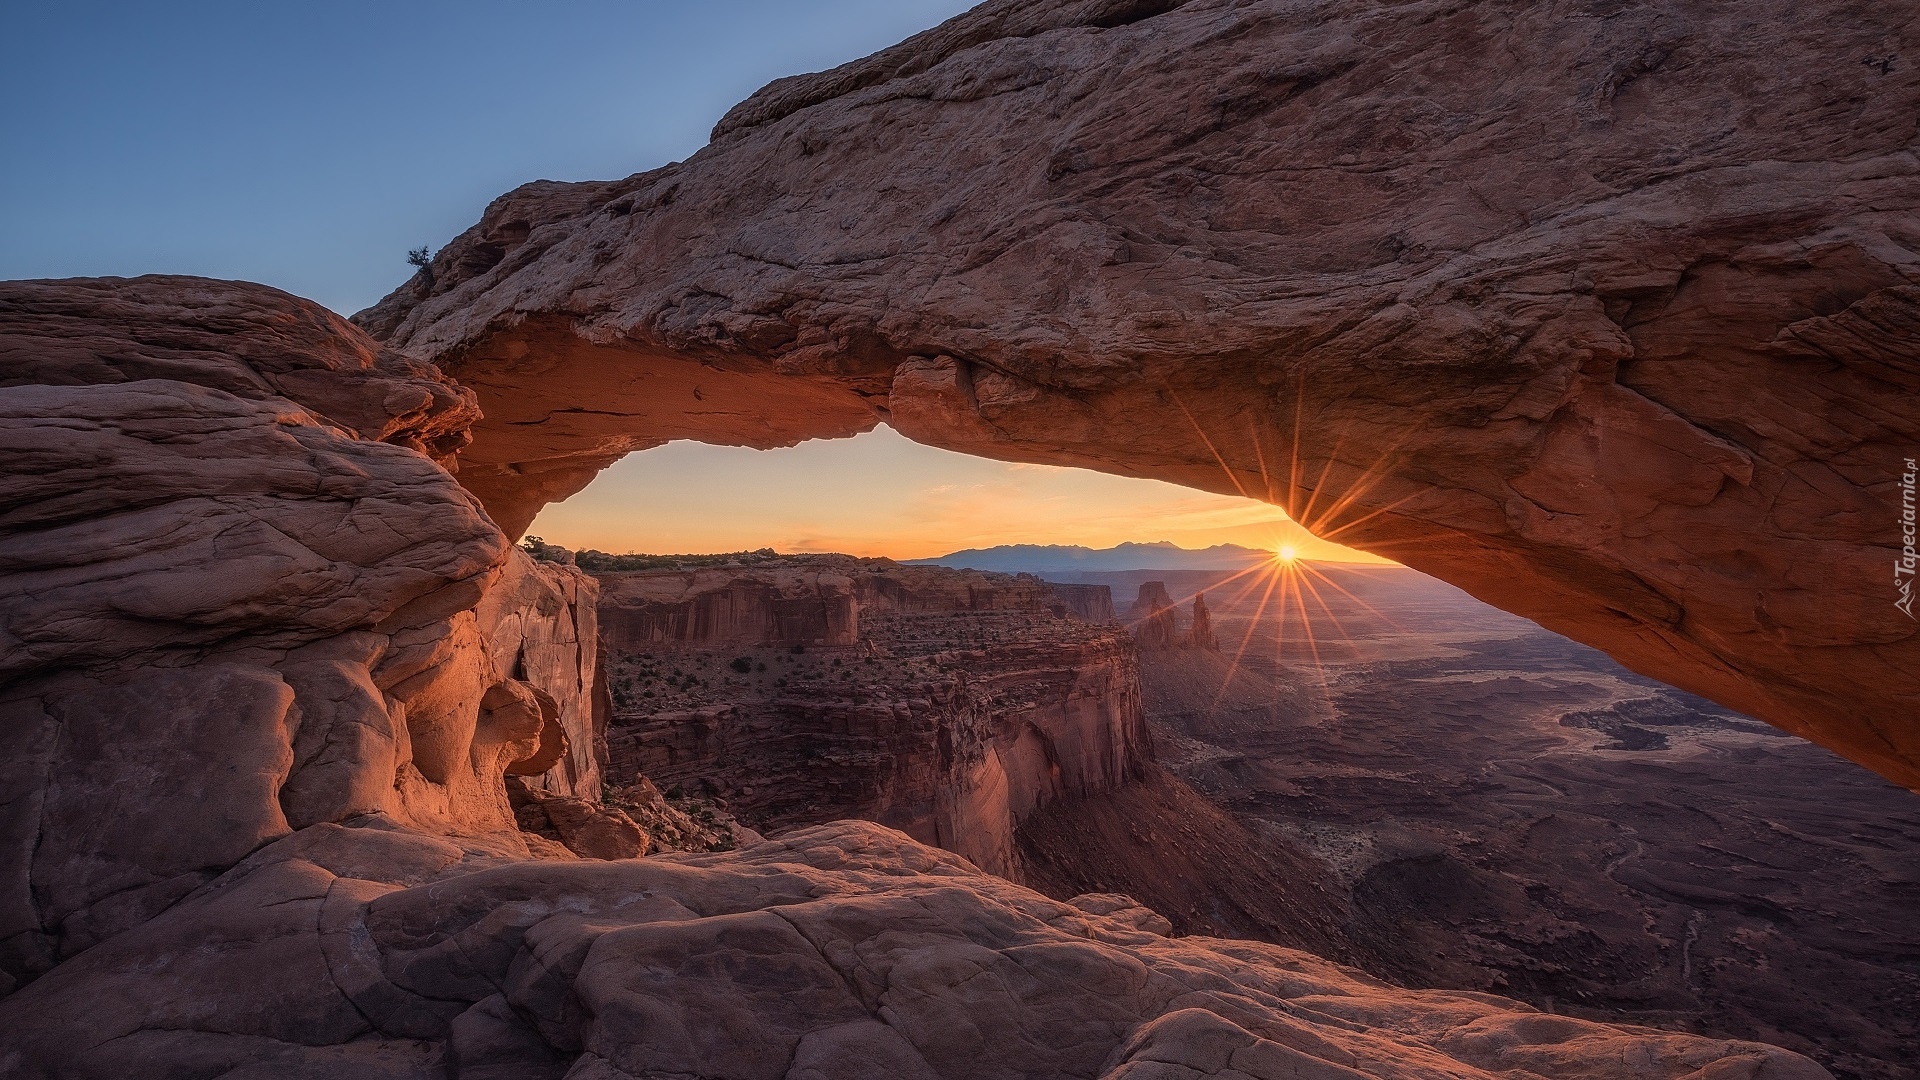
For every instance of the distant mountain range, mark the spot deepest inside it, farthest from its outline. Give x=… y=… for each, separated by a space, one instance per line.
x=1061 y=558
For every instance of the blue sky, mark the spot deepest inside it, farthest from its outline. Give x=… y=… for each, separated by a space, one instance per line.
x=309 y=145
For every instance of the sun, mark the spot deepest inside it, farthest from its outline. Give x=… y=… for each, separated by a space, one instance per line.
x=1285 y=554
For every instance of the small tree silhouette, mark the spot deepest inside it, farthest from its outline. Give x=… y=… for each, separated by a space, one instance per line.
x=422 y=257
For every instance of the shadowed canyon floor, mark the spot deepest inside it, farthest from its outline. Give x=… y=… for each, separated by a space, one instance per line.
x=1493 y=807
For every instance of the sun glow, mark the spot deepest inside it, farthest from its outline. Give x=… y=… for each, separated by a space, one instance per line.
x=881 y=494
x=1287 y=586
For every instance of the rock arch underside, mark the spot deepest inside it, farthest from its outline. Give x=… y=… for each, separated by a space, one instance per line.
x=1606 y=312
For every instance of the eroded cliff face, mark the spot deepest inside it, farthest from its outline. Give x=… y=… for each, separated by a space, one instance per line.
x=239 y=599
x=1606 y=313
x=964 y=702
x=720 y=607
x=765 y=599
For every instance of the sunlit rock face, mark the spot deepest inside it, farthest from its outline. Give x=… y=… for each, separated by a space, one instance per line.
x=237 y=598
x=1604 y=312
x=541 y=625
x=844 y=952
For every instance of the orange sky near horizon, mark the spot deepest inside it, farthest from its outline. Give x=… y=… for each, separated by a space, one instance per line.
x=883 y=494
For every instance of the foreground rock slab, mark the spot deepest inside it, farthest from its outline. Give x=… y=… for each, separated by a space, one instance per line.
x=1607 y=313
x=840 y=952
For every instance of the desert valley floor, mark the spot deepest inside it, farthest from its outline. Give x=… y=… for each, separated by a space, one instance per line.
x=1498 y=808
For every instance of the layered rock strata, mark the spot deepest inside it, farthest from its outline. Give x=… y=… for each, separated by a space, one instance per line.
x=1088 y=603
x=1618 y=338
x=1605 y=313
x=964 y=705
x=726 y=607
x=240 y=598
x=764 y=599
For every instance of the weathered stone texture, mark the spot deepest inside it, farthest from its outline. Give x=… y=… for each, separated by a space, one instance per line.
x=842 y=952
x=1605 y=312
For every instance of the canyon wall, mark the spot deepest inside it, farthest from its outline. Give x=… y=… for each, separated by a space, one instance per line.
x=771 y=600
x=1603 y=312
x=963 y=704
x=716 y=607
x=957 y=762
x=1088 y=603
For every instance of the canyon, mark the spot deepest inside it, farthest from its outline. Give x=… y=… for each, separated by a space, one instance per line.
x=1378 y=769
x=947 y=704
x=305 y=762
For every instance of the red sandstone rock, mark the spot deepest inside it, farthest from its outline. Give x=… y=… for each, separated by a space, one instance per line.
x=232 y=623
x=758 y=599
x=1201 y=636
x=844 y=952
x=963 y=705
x=720 y=607
x=693 y=825
x=247 y=340
x=1606 y=314
x=1155 y=620
x=1088 y=603
x=541 y=622
x=1597 y=353
x=584 y=828
x=224 y=615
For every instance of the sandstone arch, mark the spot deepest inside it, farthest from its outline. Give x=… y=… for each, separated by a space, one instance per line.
x=1605 y=312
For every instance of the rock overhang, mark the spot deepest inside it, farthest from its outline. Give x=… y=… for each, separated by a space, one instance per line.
x=1621 y=339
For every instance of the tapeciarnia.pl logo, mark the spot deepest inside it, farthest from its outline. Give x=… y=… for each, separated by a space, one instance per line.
x=1903 y=566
